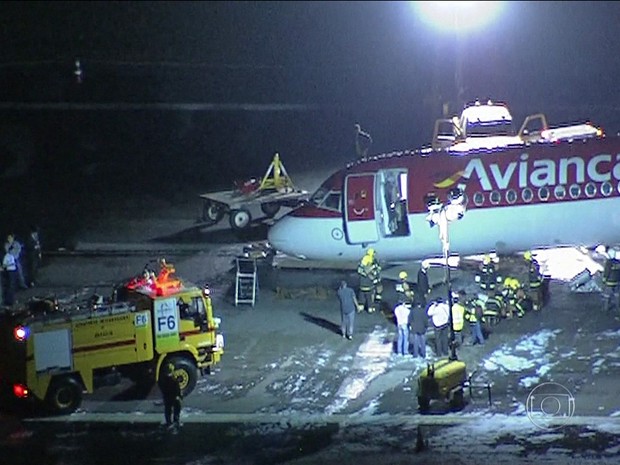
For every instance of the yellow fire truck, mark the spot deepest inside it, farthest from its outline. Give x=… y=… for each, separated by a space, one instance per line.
x=56 y=353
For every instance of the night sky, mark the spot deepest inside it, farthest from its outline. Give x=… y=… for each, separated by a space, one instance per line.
x=195 y=88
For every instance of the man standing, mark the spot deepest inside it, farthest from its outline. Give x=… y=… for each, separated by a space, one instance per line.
x=363 y=141
x=438 y=311
x=370 y=286
x=171 y=392
x=403 y=290
x=348 y=305
x=9 y=272
x=535 y=280
x=14 y=247
x=458 y=317
x=422 y=286
x=611 y=280
x=401 y=313
x=419 y=324
x=33 y=256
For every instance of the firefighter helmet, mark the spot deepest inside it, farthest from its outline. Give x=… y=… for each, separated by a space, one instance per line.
x=486 y=259
x=402 y=275
x=370 y=252
x=527 y=255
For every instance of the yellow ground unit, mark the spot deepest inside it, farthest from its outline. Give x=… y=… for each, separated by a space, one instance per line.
x=443 y=380
x=55 y=354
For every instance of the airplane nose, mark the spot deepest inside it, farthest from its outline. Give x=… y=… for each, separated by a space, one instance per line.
x=279 y=235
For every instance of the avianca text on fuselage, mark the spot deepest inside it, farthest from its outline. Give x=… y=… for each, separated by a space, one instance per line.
x=544 y=172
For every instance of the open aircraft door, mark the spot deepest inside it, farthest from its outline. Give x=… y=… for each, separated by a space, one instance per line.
x=360 y=221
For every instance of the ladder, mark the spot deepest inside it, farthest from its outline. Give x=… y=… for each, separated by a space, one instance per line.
x=246 y=282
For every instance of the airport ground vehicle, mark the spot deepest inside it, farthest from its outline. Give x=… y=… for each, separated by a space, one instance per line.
x=54 y=353
x=272 y=192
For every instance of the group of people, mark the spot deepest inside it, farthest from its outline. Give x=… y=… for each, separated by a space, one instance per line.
x=20 y=265
x=472 y=317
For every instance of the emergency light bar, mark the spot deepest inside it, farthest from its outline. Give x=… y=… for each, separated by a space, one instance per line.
x=21 y=333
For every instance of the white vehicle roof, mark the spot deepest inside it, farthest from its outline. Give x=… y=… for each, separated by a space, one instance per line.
x=485 y=114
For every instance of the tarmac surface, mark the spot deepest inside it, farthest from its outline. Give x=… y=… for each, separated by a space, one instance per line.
x=290 y=389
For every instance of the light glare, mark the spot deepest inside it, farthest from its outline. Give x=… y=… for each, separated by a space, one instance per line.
x=457 y=16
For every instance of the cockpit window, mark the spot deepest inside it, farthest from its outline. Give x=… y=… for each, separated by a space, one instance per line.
x=324 y=198
x=332 y=201
x=318 y=196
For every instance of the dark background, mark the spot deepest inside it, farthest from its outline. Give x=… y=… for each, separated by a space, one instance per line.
x=178 y=98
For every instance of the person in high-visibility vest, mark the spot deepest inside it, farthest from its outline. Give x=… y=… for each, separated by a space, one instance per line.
x=523 y=303
x=494 y=309
x=509 y=291
x=535 y=280
x=473 y=316
x=458 y=317
x=371 y=289
x=403 y=289
x=487 y=276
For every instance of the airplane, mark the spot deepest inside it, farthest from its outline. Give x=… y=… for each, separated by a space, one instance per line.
x=538 y=188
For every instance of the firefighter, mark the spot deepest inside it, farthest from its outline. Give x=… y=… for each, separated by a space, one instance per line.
x=509 y=290
x=487 y=276
x=403 y=289
x=523 y=303
x=611 y=280
x=369 y=272
x=171 y=392
x=536 y=281
x=494 y=309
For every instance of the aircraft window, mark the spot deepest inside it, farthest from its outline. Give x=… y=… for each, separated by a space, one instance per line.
x=479 y=198
x=318 y=196
x=490 y=128
x=543 y=193
x=332 y=201
x=559 y=192
x=527 y=195
x=511 y=196
x=590 y=189
x=495 y=197
x=606 y=189
x=575 y=191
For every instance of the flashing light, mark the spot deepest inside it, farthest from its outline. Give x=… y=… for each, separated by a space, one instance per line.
x=20 y=391
x=20 y=333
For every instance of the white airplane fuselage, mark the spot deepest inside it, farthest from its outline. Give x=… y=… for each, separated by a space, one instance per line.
x=517 y=198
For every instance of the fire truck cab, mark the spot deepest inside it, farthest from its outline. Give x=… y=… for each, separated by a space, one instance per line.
x=54 y=353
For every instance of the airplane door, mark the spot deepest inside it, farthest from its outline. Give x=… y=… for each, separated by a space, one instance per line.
x=360 y=222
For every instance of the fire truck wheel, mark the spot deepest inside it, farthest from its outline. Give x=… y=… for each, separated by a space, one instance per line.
x=64 y=395
x=240 y=219
x=270 y=209
x=212 y=212
x=186 y=372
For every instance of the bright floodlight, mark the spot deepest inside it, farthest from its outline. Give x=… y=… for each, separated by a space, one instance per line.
x=457 y=16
